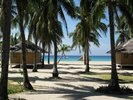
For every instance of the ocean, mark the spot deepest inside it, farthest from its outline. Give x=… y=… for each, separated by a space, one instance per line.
x=76 y=58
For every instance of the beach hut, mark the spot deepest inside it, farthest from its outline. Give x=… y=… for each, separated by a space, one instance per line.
x=16 y=54
x=124 y=54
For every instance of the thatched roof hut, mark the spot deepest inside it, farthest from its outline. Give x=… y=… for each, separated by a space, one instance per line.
x=124 y=53
x=16 y=53
x=29 y=47
x=126 y=47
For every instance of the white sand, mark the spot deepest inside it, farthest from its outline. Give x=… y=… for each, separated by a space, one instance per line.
x=72 y=86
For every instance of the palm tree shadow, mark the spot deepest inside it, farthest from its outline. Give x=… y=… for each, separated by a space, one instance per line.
x=72 y=92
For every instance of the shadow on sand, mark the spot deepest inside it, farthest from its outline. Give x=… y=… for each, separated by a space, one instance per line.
x=72 y=92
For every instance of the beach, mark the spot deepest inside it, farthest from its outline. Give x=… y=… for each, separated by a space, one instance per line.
x=73 y=84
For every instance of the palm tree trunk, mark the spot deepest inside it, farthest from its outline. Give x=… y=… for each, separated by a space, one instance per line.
x=6 y=29
x=26 y=82
x=43 y=58
x=35 y=65
x=48 y=54
x=84 y=57
x=60 y=57
x=114 y=77
x=87 y=56
x=55 y=71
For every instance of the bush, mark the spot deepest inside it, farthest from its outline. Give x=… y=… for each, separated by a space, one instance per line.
x=110 y=90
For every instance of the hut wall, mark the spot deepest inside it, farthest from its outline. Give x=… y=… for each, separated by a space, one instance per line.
x=15 y=57
x=118 y=58
x=38 y=57
x=127 y=59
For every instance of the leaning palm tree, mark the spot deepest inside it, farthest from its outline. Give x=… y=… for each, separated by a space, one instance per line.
x=63 y=48
x=21 y=5
x=6 y=30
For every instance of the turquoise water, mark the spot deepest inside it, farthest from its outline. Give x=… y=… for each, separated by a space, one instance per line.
x=76 y=58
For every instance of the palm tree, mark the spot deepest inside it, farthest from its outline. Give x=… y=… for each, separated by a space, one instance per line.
x=49 y=53
x=125 y=7
x=14 y=39
x=21 y=12
x=79 y=39
x=6 y=30
x=50 y=20
x=56 y=41
x=56 y=6
x=87 y=29
x=34 y=12
x=115 y=6
x=114 y=84
x=123 y=31
x=63 y=48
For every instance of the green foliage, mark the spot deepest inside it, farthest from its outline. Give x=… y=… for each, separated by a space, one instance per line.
x=110 y=90
x=64 y=48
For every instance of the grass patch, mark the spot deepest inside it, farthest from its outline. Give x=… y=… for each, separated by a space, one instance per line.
x=107 y=76
x=14 y=88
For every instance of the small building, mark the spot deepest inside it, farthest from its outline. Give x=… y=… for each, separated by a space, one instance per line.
x=124 y=54
x=16 y=54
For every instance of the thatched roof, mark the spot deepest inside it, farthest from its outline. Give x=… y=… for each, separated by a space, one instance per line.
x=126 y=47
x=30 y=47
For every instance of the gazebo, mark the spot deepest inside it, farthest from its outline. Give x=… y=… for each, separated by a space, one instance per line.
x=16 y=54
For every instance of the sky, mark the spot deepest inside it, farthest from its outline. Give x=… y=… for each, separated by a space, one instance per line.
x=104 y=41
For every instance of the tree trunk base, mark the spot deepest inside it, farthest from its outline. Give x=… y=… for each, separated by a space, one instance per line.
x=34 y=70
x=87 y=69
x=114 y=88
x=28 y=86
x=114 y=85
x=55 y=75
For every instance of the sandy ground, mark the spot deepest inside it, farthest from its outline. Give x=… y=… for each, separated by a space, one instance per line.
x=71 y=86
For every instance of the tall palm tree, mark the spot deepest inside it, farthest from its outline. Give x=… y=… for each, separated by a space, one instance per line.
x=79 y=39
x=6 y=30
x=56 y=6
x=88 y=27
x=114 y=84
x=49 y=53
x=34 y=12
x=47 y=8
x=115 y=6
x=21 y=12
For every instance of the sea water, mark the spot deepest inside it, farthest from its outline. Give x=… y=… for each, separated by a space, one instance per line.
x=77 y=57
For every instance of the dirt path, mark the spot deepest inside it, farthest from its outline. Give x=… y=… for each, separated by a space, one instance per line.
x=70 y=86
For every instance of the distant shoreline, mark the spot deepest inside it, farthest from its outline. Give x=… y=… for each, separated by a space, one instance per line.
x=77 y=57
